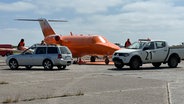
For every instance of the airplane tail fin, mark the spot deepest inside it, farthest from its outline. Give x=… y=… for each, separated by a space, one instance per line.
x=45 y=26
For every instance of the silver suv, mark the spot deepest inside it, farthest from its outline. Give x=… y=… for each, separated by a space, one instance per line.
x=42 y=55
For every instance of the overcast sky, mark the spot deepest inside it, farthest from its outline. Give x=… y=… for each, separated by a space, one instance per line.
x=116 y=20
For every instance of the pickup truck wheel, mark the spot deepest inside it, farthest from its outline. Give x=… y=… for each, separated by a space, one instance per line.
x=156 y=64
x=61 y=67
x=47 y=64
x=118 y=65
x=13 y=64
x=135 y=63
x=173 y=62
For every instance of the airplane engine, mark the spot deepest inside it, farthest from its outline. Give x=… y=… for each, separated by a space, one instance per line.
x=57 y=38
x=54 y=39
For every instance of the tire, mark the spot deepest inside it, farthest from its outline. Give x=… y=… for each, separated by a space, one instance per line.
x=28 y=66
x=156 y=64
x=13 y=64
x=62 y=67
x=93 y=59
x=135 y=63
x=118 y=65
x=48 y=65
x=173 y=62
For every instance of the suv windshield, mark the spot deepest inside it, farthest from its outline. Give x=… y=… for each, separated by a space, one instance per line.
x=30 y=50
x=137 y=45
x=65 y=50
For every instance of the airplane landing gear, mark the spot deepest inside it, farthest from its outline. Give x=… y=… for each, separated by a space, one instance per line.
x=80 y=61
x=106 y=60
x=93 y=58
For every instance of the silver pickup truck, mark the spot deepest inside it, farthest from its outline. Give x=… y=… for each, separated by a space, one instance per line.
x=142 y=52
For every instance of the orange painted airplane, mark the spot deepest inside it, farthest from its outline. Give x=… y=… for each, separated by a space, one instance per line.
x=80 y=45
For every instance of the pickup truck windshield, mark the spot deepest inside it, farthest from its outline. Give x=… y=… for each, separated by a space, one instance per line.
x=137 y=45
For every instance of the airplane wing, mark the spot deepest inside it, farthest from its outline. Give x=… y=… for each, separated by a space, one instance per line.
x=8 y=49
x=13 y=49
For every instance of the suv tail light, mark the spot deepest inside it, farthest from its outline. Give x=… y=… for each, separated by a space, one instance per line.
x=59 y=56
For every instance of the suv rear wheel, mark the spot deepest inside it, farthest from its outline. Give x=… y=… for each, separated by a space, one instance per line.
x=47 y=64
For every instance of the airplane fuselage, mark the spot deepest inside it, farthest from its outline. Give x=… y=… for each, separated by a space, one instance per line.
x=81 y=45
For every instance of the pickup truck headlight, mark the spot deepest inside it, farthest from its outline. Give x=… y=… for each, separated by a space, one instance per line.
x=122 y=54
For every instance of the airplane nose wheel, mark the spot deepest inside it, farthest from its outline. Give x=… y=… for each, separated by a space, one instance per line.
x=106 y=60
x=93 y=59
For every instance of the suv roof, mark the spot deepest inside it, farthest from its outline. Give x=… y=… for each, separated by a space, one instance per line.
x=47 y=45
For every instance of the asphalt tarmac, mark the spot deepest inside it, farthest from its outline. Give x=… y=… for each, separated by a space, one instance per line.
x=92 y=84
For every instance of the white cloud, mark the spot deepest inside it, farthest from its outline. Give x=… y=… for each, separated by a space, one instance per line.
x=133 y=18
x=16 y=6
x=94 y=6
x=79 y=6
x=157 y=20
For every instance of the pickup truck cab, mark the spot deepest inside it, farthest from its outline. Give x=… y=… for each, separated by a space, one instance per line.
x=148 y=51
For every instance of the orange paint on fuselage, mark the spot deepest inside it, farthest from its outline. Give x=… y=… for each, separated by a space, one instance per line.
x=81 y=45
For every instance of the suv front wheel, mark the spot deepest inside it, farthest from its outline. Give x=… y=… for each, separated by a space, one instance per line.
x=47 y=64
x=13 y=64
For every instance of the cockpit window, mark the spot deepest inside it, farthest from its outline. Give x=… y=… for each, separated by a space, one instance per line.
x=99 y=39
x=102 y=39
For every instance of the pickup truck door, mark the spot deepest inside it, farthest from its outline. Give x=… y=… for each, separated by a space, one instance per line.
x=155 y=51
x=147 y=53
x=160 y=52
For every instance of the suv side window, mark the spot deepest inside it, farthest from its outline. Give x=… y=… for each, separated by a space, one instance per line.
x=52 y=50
x=65 y=50
x=41 y=50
